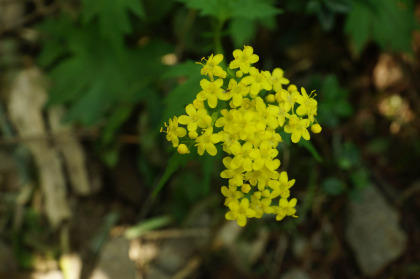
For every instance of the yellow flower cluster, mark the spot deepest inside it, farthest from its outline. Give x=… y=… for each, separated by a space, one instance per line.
x=244 y=109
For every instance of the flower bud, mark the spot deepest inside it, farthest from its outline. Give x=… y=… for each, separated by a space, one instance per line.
x=316 y=129
x=270 y=98
x=183 y=149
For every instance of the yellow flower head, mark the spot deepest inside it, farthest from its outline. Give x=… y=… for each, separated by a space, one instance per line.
x=211 y=68
x=244 y=59
x=245 y=113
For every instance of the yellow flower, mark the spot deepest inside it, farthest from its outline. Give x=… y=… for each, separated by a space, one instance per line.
x=196 y=118
x=238 y=90
x=240 y=211
x=258 y=81
x=261 y=205
x=278 y=80
x=287 y=99
x=243 y=59
x=298 y=128
x=211 y=91
x=206 y=142
x=281 y=186
x=231 y=194
x=280 y=112
x=173 y=131
x=307 y=104
x=285 y=208
x=241 y=158
x=211 y=68
x=263 y=156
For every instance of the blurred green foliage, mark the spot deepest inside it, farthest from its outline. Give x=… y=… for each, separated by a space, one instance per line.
x=389 y=23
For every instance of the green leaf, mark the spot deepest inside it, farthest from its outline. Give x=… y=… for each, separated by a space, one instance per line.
x=118 y=116
x=348 y=156
x=311 y=148
x=147 y=225
x=113 y=16
x=110 y=156
x=242 y=30
x=333 y=186
x=176 y=161
x=224 y=10
x=333 y=102
x=360 y=178
x=220 y=9
x=390 y=23
x=254 y=9
x=185 y=92
x=91 y=78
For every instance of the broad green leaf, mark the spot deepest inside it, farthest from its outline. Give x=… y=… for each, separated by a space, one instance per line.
x=113 y=16
x=390 y=23
x=360 y=178
x=118 y=116
x=333 y=102
x=254 y=9
x=91 y=78
x=242 y=30
x=185 y=92
x=220 y=9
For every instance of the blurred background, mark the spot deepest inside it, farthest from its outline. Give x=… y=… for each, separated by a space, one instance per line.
x=89 y=188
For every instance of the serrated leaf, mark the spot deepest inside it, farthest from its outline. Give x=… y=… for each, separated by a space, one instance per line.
x=92 y=79
x=113 y=16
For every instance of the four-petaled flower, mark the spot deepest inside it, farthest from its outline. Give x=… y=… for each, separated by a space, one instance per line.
x=173 y=132
x=244 y=59
x=211 y=68
x=240 y=211
x=206 y=142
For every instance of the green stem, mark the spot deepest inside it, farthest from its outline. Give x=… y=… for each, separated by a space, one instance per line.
x=218 y=36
